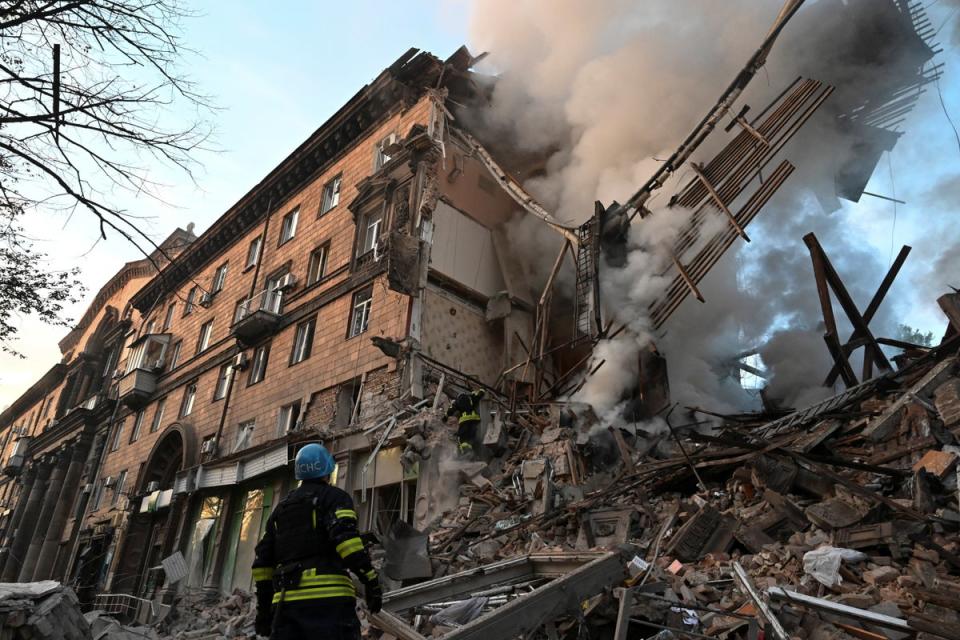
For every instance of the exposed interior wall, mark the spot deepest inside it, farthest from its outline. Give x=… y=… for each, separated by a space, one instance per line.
x=456 y=333
x=463 y=251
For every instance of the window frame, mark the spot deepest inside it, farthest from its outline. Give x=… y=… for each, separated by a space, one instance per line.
x=252 y=262
x=117 y=436
x=187 y=408
x=380 y=158
x=175 y=353
x=204 y=337
x=307 y=329
x=333 y=186
x=223 y=381
x=168 y=317
x=380 y=216
x=291 y=420
x=118 y=487
x=219 y=278
x=265 y=349
x=137 y=426
x=191 y=301
x=368 y=290
x=294 y=215
x=248 y=426
x=325 y=250
x=158 y=414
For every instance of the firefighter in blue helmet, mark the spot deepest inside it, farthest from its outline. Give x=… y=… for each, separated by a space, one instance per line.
x=301 y=563
x=467 y=409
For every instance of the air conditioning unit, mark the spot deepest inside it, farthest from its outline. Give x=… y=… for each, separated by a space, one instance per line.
x=109 y=481
x=206 y=299
x=152 y=486
x=208 y=447
x=157 y=365
x=87 y=488
x=288 y=281
x=240 y=362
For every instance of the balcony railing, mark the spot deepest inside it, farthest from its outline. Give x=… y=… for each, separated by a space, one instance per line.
x=258 y=315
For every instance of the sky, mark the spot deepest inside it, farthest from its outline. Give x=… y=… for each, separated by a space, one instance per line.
x=276 y=75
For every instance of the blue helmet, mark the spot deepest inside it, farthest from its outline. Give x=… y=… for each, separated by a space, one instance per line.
x=313 y=461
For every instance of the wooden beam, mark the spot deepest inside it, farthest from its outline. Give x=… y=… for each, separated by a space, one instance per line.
x=686 y=278
x=872 y=308
x=623 y=615
x=389 y=623
x=826 y=307
x=950 y=305
x=523 y=615
x=882 y=426
x=759 y=603
x=698 y=170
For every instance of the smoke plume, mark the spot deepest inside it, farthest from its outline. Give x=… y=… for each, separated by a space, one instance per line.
x=606 y=88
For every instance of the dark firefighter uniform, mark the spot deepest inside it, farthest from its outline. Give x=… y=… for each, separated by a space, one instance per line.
x=467 y=409
x=300 y=569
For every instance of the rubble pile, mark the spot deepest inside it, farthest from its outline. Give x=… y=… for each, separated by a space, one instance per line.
x=41 y=611
x=194 y=617
x=836 y=521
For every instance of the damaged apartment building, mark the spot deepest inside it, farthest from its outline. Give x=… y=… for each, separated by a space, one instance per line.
x=371 y=263
x=373 y=275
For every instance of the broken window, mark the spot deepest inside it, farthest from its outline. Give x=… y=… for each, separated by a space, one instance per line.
x=331 y=195
x=303 y=341
x=348 y=403
x=175 y=355
x=97 y=494
x=149 y=328
x=189 y=395
x=118 y=487
x=245 y=531
x=253 y=252
x=200 y=548
x=223 y=380
x=318 y=264
x=137 y=425
x=158 y=414
x=115 y=444
x=381 y=155
x=370 y=228
x=244 y=435
x=191 y=300
x=360 y=314
x=288 y=228
x=203 y=340
x=219 y=278
x=168 y=318
x=258 y=369
x=287 y=417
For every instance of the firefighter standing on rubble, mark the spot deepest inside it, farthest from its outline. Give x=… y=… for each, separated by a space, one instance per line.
x=301 y=563
x=467 y=409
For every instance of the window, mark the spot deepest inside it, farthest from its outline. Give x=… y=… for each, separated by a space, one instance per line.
x=244 y=435
x=380 y=153
x=191 y=299
x=97 y=494
x=360 y=316
x=118 y=487
x=116 y=437
x=348 y=403
x=239 y=310
x=175 y=354
x=331 y=195
x=317 y=265
x=253 y=253
x=110 y=364
x=370 y=232
x=149 y=328
x=258 y=369
x=288 y=416
x=203 y=340
x=158 y=415
x=273 y=299
x=223 y=379
x=219 y=278
x=288 y=228
x=303 y=341
x=189 y=395
x=137 y=425
x=168 y=319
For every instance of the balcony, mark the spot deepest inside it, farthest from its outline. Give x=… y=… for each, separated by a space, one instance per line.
x=144 y=364
x=18 y=457
x=258 y=316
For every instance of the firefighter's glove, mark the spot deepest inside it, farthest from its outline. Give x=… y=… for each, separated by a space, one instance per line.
x=374 y=596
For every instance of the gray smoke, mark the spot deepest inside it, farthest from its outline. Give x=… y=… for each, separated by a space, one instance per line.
x=606 y=88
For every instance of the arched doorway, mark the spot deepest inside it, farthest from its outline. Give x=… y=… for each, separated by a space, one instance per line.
x=150 y=530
